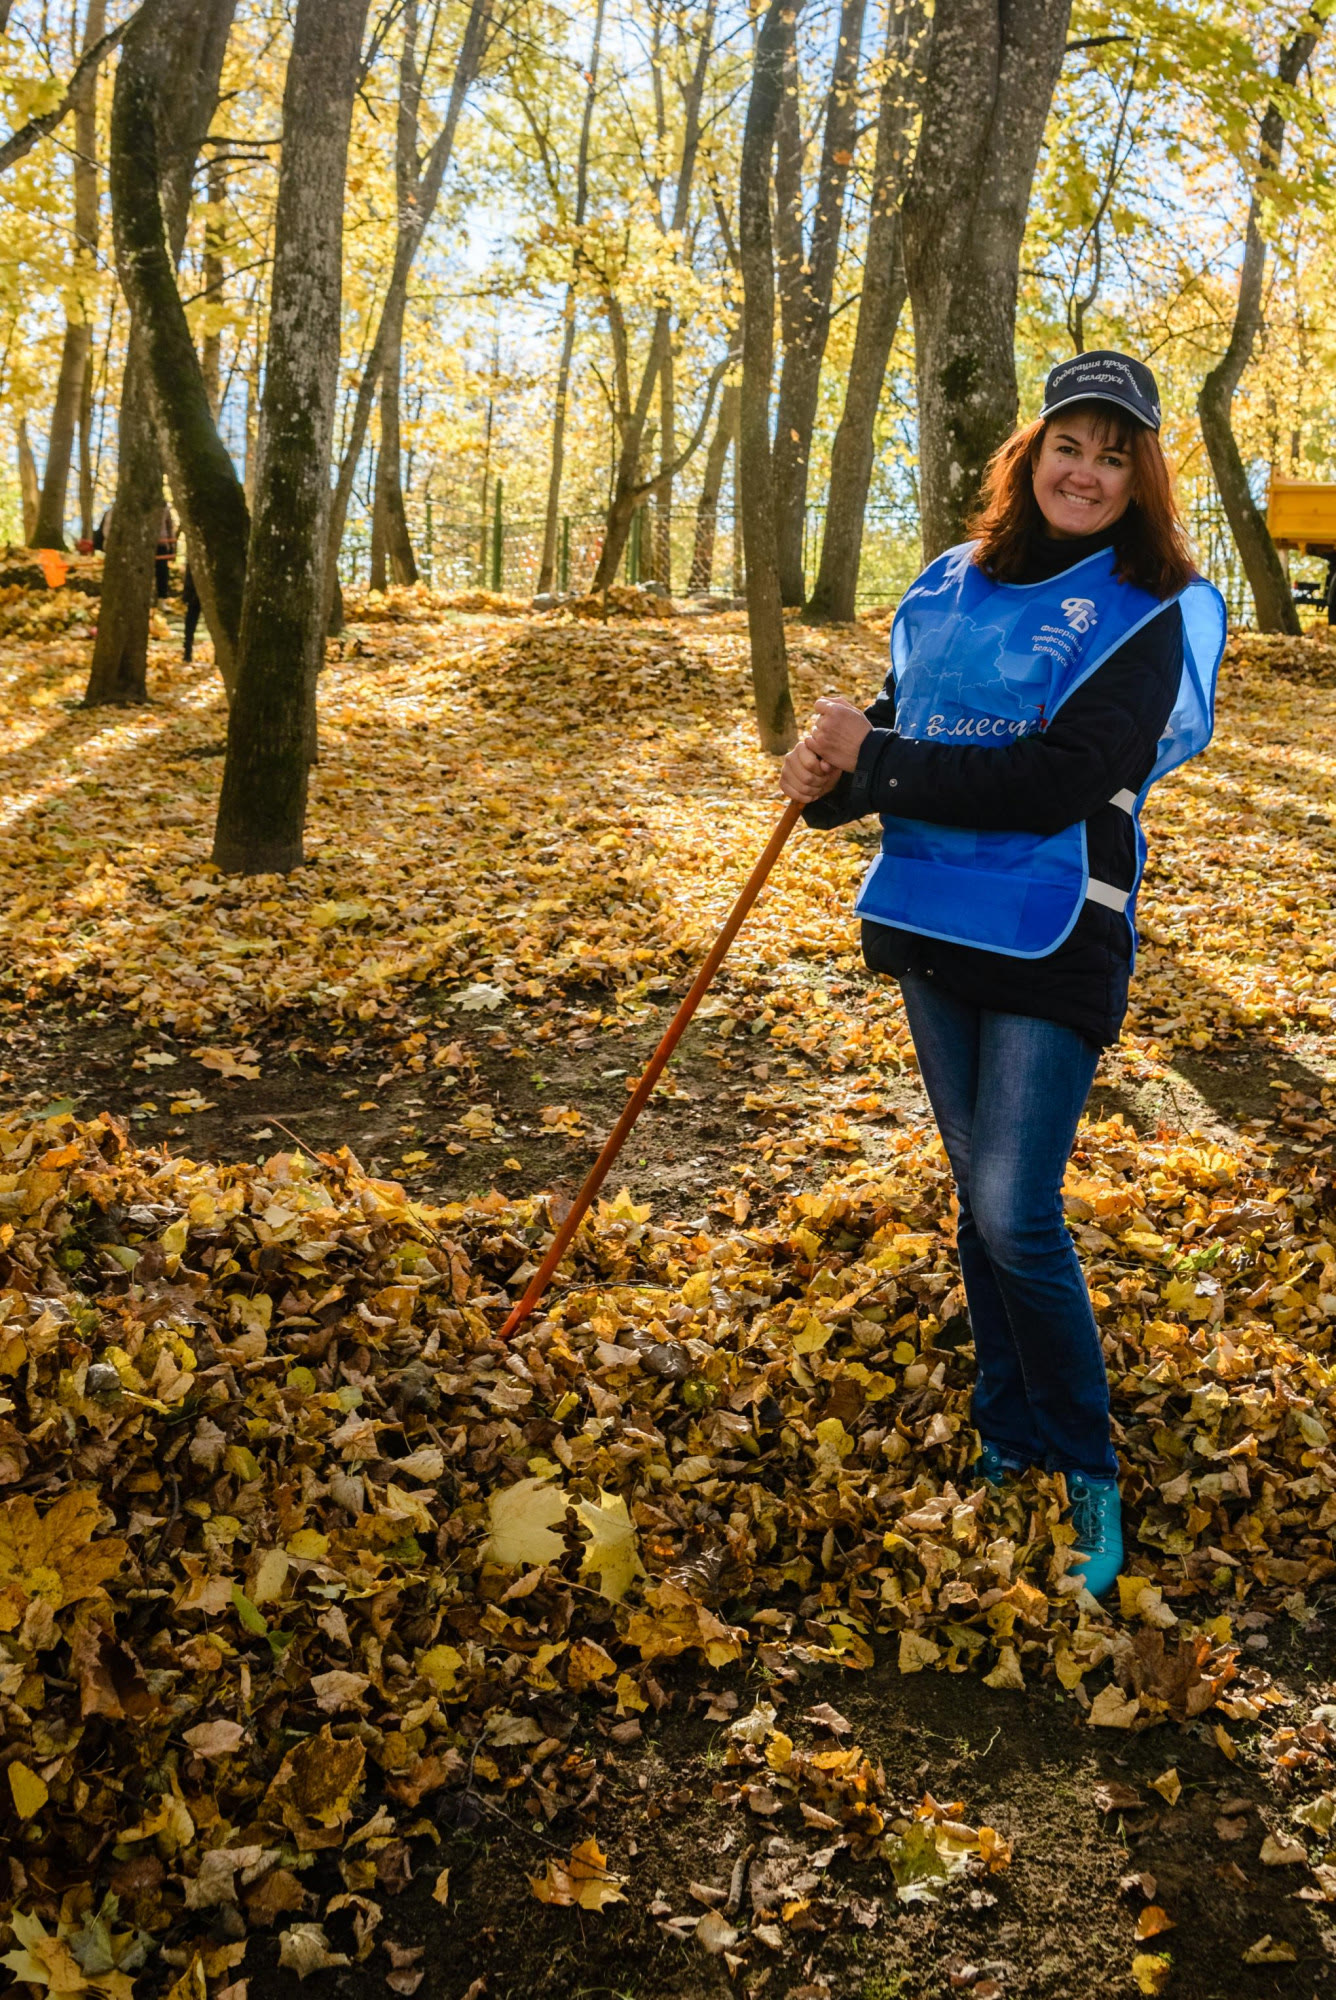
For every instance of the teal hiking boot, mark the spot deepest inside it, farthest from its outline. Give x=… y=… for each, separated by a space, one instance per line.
x=1097 y=1516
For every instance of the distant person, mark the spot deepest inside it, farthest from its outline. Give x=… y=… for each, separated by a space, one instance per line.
x=101 y=531
x=191 y=596
x=166 y=552
x=1043 y=675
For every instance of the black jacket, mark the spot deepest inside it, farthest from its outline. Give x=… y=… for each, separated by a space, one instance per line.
x=1102 y=740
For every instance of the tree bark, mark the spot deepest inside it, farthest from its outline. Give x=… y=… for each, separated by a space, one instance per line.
x=86 y=500
x=1272 y=597
x=807 y=282
x=629 y=488
x=77 y=349
x=663 y=490
x=215 y=277
x=548 y=564
x=262 y=809
x=885 y=288
x=992 y=69
x=207 y=491
x=707 y=507
x=189 y=70
x=29 y=488
x=413 y=221
x=119 y=673
x=765 y=610
x=392 y=558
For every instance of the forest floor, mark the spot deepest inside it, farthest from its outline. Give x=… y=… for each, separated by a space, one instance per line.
x=524 y=831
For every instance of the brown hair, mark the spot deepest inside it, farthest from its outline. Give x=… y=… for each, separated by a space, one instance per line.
x=1149 y=540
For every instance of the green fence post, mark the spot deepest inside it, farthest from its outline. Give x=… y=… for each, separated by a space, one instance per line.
x=496 y=539
x=565 y=554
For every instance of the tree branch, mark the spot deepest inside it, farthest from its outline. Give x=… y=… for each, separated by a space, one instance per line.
x=22 y=142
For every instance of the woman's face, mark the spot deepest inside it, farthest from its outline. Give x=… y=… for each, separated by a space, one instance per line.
x=1082 y=476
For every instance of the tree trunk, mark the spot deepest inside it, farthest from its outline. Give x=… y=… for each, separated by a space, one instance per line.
x=29 y=488
x=707 y=507
x=413 y=221
x=807 y=289
x=190 y=67
x=765 y=610
x=262 y=809
x=992 y=69
x=547 y=567
x=389 y=512
x=145 y=162
x=835 y=592
x=49 y=528
x=86 y=482
x=215 y=277
x=1272 y=597
x=75 y=358
x=628 y=487
x=663 y=491
x=119 y=673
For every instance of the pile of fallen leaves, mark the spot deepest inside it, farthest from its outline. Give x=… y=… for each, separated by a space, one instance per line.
x=294 y=1551
x=477 y=819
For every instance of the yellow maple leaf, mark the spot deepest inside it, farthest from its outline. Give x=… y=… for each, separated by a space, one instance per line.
x=583 y=1880
x=53 y=1555
x=611 y=1553
x=522 y=1518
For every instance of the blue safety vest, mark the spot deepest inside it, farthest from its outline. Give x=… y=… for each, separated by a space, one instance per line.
x=983 y=663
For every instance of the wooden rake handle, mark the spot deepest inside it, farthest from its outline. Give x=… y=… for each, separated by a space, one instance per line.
x=640 y=1096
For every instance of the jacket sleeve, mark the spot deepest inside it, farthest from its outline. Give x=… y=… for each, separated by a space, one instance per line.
x=848 y=800
x=1102 y=739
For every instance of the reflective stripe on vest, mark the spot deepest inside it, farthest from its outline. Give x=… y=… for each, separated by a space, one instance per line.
x=981 y=664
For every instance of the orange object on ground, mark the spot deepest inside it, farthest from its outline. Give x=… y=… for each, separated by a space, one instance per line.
x=54 y=568
x=639 y=1097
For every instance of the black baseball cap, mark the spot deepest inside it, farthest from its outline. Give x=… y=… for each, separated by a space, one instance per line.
x=1104 y=377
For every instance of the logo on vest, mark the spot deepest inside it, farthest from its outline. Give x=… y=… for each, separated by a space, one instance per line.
x=1079 y=612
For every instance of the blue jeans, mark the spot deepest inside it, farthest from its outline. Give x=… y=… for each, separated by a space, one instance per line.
x=1007 y=1092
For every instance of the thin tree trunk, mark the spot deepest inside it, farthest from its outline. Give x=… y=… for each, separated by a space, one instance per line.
x=189 y=67
x=29 y=487
x=707 y=507
x=119 y=673
x=629 y=488
x=262 y=809
x=663 y=492
x=808 y=288
x=413 y=222
x=86 y=499
x=835 y=592
x=204 y=481
x=396 y=545
x=547 y=566
x=992 y=69
x=76 y=354
x=1272 y=597
x=765 y=610
x=215 y=277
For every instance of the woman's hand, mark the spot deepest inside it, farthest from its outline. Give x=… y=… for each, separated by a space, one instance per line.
x=837 y=735
x=806 y=777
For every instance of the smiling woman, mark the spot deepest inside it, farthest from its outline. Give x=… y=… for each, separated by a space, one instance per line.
x=1042 y=677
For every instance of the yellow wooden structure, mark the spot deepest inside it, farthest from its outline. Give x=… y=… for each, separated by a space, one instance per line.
x=1301 y=515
